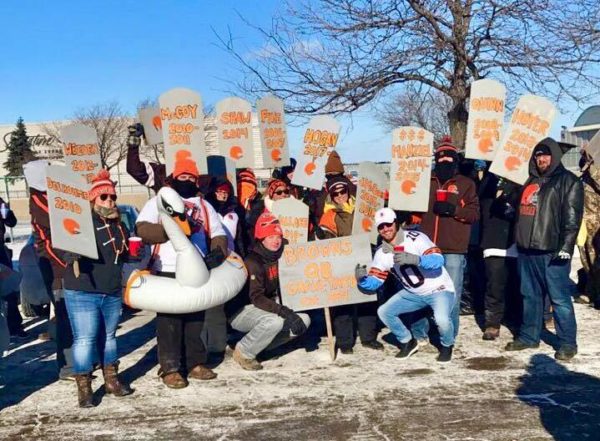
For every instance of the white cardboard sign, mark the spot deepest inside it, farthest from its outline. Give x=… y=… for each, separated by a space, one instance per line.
x=372 y=184
x=530 y=122
x=273 y=134
x=150 y=119
x=182 y=117
x=293 y=217
x=81 y=150
x=70 y=213
x=410 y=169
x=320 y=139
x=234 y=129
x=486 y=118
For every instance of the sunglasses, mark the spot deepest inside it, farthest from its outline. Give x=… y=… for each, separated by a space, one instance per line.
x=339 y=193
x=280 y=192
x=384 y=225
x=113 y=197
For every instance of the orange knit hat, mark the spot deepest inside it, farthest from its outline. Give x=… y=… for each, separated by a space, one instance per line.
x=184 y=163
x=101 y=184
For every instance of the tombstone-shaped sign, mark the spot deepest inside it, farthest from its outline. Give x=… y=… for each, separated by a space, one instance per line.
x=70 y=214
x=530 y=122
x=234 y=130
x=372 y=184
x=486 y=118
x=410 y=169
x=293 y=217
x=320 y=139
x=219 y=166
x=273 y=134
x=320 y=274
x=182 y=119
x=81 y=150
x=150 y=119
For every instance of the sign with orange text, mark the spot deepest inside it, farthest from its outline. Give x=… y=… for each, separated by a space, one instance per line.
x=81 y=150
x=320 y=274
x=410 y=169
x=530 y=122
x=293 y=217
x=150 y=119
x=273 y=134
x=182 y=120
x=320 y=140
x=234 y=130
x=486 y=118
x=370 y=190
x=70 y=213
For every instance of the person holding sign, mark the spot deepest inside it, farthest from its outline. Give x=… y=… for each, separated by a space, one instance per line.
x=453 y=208
x=419 y=265
x=93 y=294
x=338 y=215
x=151 y=174
x=550 y=215
x=258 y=310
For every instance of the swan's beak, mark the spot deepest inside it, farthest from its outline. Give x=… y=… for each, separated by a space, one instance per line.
x=183 y=223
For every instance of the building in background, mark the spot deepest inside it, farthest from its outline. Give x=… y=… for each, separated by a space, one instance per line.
x=584 y=129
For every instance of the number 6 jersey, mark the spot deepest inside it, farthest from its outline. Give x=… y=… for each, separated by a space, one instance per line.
x=415 y=279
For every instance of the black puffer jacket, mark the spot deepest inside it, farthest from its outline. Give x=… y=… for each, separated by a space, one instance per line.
x=559 y=208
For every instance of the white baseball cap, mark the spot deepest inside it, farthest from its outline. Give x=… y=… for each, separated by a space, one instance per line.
x=384 y=216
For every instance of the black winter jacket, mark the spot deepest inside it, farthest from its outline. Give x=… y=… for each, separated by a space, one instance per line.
x=559 y=211
x=498 y=213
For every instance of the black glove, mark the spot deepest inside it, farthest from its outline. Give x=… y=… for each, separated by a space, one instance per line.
x=360 y=271
x=502 y=209
x=444 y=208
x=135 y=131
x=292 y=321
x=214 y=258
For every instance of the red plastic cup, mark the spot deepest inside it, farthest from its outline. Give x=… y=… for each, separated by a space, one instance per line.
x=135 y=245
x=399 y=248
x=441 y=195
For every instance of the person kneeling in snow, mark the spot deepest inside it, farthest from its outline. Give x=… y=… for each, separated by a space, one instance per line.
x=257 y=310
x=419 y=265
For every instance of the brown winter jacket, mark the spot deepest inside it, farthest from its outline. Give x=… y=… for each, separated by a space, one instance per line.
x=452 y=234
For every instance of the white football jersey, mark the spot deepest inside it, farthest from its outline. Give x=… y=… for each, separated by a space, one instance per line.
x=413 y=278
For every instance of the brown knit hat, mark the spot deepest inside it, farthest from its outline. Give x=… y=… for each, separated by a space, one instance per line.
x=334 y=164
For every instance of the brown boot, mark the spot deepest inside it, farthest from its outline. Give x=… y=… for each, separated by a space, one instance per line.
x=84 y=390
x=174 y=380
x=491 y=333
x=202 y=373
x=112 y=383
x=249 y=364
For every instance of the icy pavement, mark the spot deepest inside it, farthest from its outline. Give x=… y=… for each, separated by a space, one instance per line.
x=484 y=394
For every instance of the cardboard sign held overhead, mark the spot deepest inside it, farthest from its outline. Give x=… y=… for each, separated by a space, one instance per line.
x=410 y=169
x=320 y=140
x=234 y=130
x=372 y=184
x=273 y=134
x=219 y=166
x=293 y=217
x=70 y=213
x=486 y=118
x=530 y=122
x=81 y=150
x=150 y=119
x=182 y=118
x=320 y=274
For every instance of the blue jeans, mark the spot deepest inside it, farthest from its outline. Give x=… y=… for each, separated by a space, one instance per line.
x=541 y=275
x=455 y=265
x=404 y=302
x=86 y=310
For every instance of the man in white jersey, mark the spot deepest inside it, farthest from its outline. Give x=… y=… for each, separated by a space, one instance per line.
x=419 y=265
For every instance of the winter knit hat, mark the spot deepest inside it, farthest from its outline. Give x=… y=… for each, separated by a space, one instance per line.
x=446 y=148
x=334 y=164
x=267 y=225
x=184 y=163
x=541 y=149
x=337 y=183
x=273 y=185
x=101 y=184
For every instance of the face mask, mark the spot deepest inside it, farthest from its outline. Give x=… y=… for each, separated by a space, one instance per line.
x=108 y=213
x=445 y=170
x=185 y=189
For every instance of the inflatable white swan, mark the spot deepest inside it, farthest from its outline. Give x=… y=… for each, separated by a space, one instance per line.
x=194 y=287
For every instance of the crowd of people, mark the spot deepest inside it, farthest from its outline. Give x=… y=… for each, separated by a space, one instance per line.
x=522 y=236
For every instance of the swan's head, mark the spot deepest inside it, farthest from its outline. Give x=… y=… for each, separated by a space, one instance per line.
x=171 y=204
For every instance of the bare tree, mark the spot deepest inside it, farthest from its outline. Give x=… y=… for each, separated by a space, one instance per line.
x=336 y=56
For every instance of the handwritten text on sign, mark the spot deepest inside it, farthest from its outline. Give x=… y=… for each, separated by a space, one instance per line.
x=70 y=214
x=80 y=150
x=410 y=169
x=486 y=118
x=321 y=274
x=530 y=123
x=234 y=128
x=293 y=217
x=369 y=198
x=273 y=135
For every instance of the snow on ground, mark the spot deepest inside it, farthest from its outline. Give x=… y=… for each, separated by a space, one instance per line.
x=484 y=394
